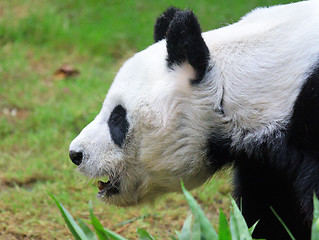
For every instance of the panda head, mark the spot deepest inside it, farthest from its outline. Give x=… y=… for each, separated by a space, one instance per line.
x=153 y=127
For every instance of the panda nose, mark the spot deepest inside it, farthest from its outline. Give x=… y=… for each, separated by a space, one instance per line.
x=76 y=157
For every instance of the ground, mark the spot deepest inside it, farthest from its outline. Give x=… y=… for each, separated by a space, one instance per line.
x=42 y=108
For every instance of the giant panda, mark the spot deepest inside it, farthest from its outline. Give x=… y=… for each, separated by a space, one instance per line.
x=245 y=95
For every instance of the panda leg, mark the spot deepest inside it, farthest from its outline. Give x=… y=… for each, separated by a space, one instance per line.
x=259 y=186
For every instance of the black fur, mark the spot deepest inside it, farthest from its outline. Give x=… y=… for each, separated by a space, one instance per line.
x=258 y=186
x=286 y=175
x=306 y=117
x=163 y=22
x=218 y=152
x=118 y=125
x=185 y=43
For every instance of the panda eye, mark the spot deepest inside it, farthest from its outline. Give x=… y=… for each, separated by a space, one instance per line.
x=118 y=125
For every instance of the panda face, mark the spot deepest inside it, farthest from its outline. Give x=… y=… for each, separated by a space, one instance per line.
x=152 y=129
x=140 y=140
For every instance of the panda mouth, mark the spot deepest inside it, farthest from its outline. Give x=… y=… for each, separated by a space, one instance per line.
x=109 y=188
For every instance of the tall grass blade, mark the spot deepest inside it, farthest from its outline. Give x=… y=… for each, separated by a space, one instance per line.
x=252 y=228
x=88 y=232
x=196 y=230
x=186 y=229
x=233 y=227
x=224 y=231
x=315 y=222
x=283 y=224
x=76 y=231
x=206 y=229
x=113 y=235
x=99 y=230
x=238 y=226
x=144 y=235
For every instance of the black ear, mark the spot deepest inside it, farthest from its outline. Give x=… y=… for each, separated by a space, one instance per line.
x=185 y=43
x=163 y=22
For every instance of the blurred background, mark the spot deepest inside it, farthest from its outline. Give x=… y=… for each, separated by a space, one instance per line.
x=57 y=61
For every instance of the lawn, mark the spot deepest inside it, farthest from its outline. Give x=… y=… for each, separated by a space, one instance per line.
x=42 y=111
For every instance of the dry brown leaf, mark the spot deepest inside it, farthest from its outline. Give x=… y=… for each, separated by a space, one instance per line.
x=65 y=71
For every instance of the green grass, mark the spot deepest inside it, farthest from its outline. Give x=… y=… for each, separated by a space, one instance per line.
x=40 y=115
x=196 y=226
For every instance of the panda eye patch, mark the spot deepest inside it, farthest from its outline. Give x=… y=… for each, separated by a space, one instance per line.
x=116 y=118
x=118 y=125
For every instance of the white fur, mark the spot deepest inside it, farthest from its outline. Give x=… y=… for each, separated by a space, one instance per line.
x=259 y=66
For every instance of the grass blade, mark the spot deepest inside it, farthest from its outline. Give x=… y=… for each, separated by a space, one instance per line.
x=144 y=235
x=76 y=231
x=88 y=232
x=186 y=229
x=252 y=228
x=224 y=231
x=206 y=229
x=315 y=222
x=238 y=226
x=196 y=231
x=283 y=224
x=99 y=230
x=233 y=227
x=134 y=219
x=113 y=235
